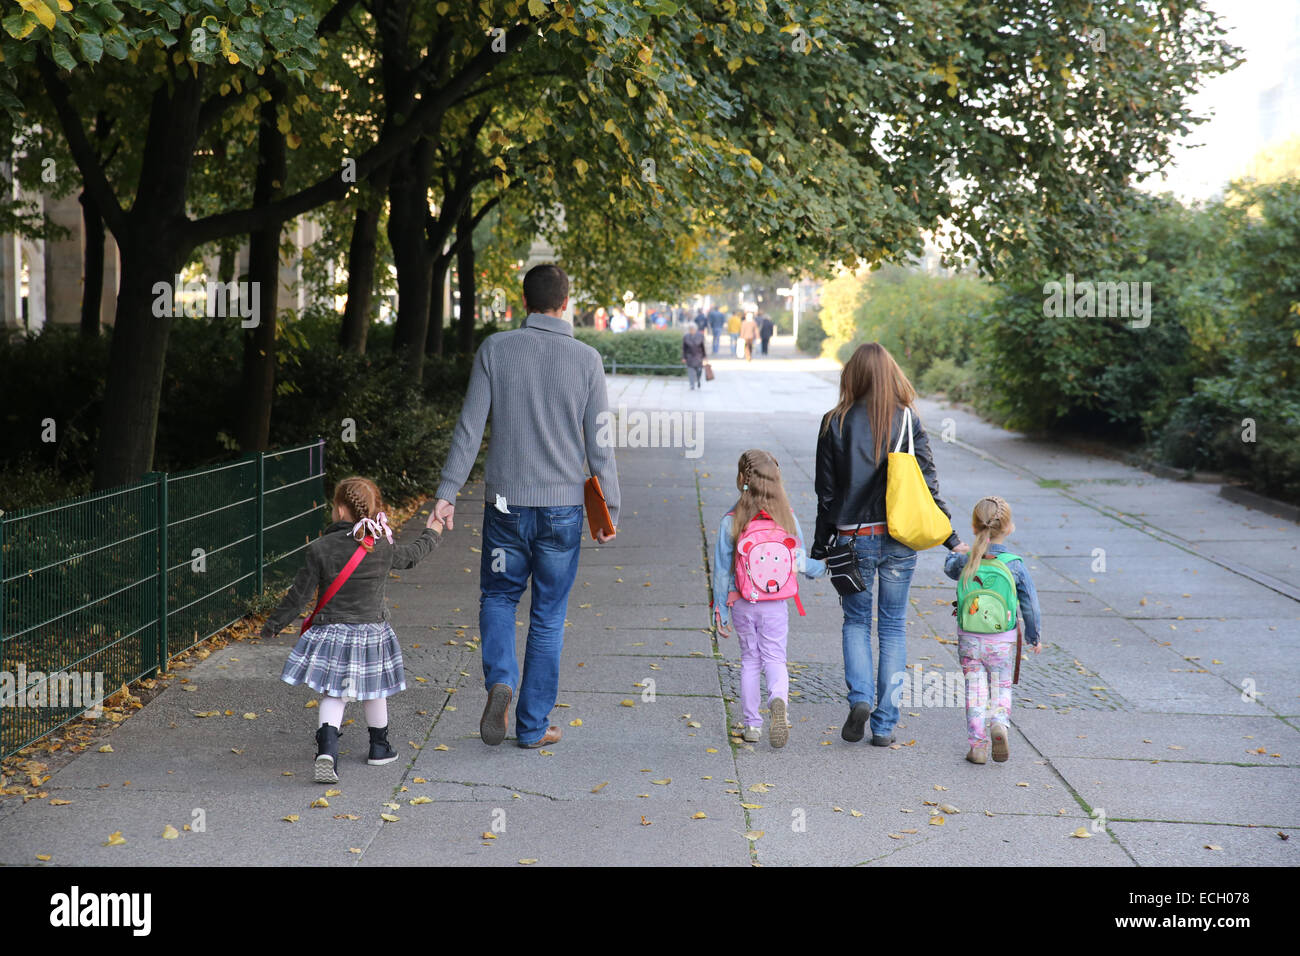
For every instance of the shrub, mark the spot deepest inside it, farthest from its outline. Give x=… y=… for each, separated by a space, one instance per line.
x=638 y=347
x=811 y=334
x=945 y=376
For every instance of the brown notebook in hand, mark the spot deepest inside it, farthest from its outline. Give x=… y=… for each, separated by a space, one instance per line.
x=598 y=518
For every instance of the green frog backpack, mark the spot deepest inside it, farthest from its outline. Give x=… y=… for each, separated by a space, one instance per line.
x=987 y=602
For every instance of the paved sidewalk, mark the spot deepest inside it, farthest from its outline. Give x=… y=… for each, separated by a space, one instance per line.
x=1164 y=700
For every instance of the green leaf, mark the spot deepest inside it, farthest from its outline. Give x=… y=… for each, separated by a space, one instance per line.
x=18 y=24
x=92 y=47
x=59 y=53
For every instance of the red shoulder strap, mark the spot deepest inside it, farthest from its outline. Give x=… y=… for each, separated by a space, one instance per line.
x=357 y=555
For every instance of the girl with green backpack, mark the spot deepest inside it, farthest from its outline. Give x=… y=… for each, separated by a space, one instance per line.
x=993 y=590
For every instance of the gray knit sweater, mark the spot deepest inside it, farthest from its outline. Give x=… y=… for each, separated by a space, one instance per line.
x=546 y=394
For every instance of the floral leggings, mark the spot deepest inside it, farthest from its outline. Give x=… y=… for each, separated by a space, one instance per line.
x=987 y=660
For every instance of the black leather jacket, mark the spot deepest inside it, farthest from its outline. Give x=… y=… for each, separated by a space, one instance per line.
x=361 y=600
x=851 y=485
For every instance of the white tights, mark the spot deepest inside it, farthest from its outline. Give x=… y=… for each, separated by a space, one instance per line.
x=331 y=711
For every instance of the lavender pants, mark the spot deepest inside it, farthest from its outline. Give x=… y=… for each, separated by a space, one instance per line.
x=761 y=628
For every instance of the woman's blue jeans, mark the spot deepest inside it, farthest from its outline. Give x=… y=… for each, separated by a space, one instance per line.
x=880 y=558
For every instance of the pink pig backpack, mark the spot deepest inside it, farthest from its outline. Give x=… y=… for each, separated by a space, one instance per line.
x=765 y=563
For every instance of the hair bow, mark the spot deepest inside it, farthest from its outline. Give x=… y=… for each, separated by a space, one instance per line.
x=376 y=526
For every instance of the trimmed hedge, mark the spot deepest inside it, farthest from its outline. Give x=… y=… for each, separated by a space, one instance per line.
x=638 y=347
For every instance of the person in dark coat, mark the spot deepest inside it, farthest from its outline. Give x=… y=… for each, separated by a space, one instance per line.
x=693 y=356
x=701 y=321
x=765 y=329
x=716 y=320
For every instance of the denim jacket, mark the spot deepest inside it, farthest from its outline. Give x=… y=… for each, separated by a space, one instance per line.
x=724 y=564
x=1029 y=609
x=362 y=599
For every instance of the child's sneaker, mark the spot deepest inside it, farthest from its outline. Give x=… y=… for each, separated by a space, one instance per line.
x=978 y=754
x=998 y=734
x=752 y=735
x=381 y=751
x=327 y=754
x=778 y=731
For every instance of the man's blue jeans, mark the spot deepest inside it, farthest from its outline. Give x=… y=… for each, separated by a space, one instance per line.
x=890 y=562
x=541 y=543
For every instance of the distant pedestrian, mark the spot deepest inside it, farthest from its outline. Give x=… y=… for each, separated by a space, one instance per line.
x=347 y=650
x=693 y=357
x=993 y=590
x=733 y=329
x=765 y=329
x=716 y=320
x=758 y=553
x=748 y=334
x=701 y=321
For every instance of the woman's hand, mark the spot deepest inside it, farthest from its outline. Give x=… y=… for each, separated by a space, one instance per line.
x=717 y=622
x=962 y=548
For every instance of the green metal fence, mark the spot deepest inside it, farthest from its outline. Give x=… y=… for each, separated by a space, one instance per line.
x=118 y=581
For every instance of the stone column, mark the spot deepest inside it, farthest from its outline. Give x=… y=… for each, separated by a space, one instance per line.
x=63 y=263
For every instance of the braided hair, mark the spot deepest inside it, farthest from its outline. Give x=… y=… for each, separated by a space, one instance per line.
x=990 y=518
x=758 y=479
x=361 y=498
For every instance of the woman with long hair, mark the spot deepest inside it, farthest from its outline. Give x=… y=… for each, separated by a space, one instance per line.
x=852 y=457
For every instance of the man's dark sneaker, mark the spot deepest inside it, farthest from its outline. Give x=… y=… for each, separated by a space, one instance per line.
x=327 y=754
x=492 y=726
x=880 y=740
x=381 y=751
x=855 y=726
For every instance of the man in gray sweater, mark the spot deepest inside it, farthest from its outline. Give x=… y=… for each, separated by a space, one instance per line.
x=545 y=392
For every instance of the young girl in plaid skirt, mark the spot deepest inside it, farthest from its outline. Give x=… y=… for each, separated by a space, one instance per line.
x=350 y=651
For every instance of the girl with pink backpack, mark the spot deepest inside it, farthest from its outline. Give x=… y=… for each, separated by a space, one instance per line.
x=758 y=554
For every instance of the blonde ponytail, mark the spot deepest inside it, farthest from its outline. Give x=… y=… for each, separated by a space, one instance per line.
x=990 y=518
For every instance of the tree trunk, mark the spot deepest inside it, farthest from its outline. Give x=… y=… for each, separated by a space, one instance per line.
x=131 y=395
x=467 y=282
x=153 y=243
x=264 y=275
x=433 y=344
x=361 y=280
x=408 y=209
x=92 y=286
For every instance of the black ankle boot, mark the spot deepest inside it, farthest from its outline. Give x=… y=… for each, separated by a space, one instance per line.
x=327 y=754
x=381 y=752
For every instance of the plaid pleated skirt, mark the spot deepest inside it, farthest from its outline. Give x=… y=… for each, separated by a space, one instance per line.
x=358 y=661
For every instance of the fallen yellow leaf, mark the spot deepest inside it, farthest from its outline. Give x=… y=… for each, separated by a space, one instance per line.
x=937 y=821
x=291 y=818
x=664 y=782
x=333 y=793
x=442 y=747
x=529 y=862
x=116 y=839
x=599 y=787
x=170 y=832
x=43 y=857
x=752 y=835
x=1082 y=833
x=418 y=801
x=389 y=818
x=626 y=703
x=106 y=749
x=418 y=780
x=250 y=716
x=56 y=802
x=320 y=803
x=699 y=816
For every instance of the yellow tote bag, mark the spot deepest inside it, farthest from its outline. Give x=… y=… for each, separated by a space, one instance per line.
x=911 y=515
